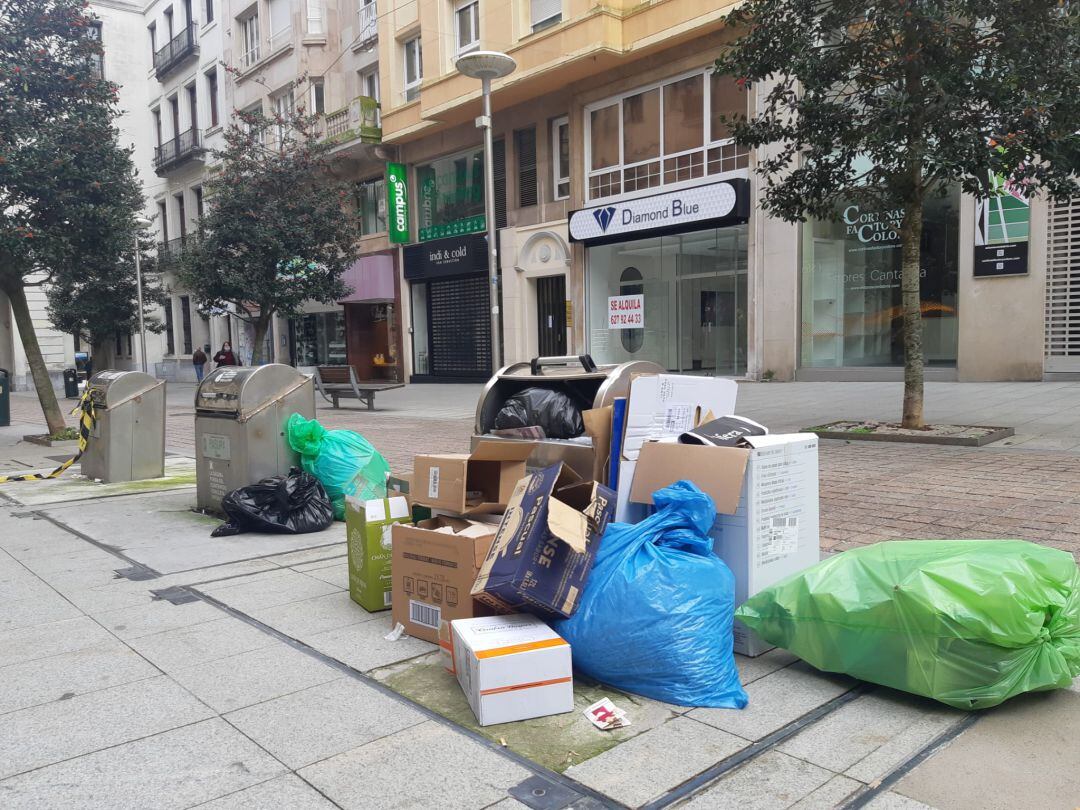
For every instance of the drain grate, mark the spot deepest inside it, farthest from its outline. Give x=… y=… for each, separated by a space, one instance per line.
x=137 y=573
x=175 y=595
x=543 y=794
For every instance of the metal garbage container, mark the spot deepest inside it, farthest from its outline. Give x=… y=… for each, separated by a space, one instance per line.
x=5 y=397
x=127 y=442
x=240 y=418
x=71 y=383
x=577 y=376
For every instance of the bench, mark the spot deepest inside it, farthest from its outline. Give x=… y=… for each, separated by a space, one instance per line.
x=335 y=382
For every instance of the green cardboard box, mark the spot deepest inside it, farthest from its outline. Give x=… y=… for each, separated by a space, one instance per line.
x=367 y=528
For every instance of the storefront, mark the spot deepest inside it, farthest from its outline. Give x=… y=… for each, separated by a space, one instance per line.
x=666 y=278
x=372 y=326
x=851 y=313
x=318 y=339
x=451 y=318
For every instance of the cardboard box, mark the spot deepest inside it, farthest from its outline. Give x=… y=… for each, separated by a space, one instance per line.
x=367 y=530
x=470 y=483
x=766 y=496
x=660 y=406
x=434 y=565
x=546 y=544
x=512 y=668
x=400 y=485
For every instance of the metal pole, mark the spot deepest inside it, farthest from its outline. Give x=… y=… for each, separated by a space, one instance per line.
x=489 y=214
x=142 y=324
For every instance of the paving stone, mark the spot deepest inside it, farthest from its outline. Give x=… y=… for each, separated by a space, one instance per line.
x=653 y=763
x=42 y=735
x=776 y=700
x=187 y=646
x=61 y=677
x=283 y=793
x=43 y=640
x=931 y=723
x=41 y=609
x=772 y=780
x=153 y=772
x=316 y=723
x=30 y=538
x=157 y=617
x=335 y=575
x=429 y=766
x=268 y=590
x=102 y=599
x=363 y=646
x=752 y=669
x=310 y=617
x=252 y=677
x=830 y=795
x=313 y=557
x=894 y=801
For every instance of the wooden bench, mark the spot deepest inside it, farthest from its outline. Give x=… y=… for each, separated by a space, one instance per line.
x=335 y=382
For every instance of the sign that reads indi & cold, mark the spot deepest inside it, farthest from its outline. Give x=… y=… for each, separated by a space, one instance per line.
x=626 y=311
x=397 y=202
x=710 y=202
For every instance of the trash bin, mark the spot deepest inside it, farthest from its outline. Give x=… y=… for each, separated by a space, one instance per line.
x=578 y=376
x=71 y=383
x=240 y=436
x=5 y=397
x=127 y=442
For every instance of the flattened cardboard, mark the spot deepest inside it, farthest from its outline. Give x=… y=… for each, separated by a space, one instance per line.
x=434 y=566
x=445 y=481
x=718 y=471
x=598 y=428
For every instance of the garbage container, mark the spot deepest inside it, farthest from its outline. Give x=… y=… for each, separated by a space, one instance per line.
x=5 y=398
x=127 y=442
x=240 y=416
x=71 y=383
x=577 y=376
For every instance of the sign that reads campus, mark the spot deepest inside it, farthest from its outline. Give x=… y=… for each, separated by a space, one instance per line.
x=675 y=208
x=397 y=202
x=626 y=312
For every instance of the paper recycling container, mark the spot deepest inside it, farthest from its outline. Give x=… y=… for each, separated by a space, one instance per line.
x=127 y=442
x=588 y=384
x=240 y=436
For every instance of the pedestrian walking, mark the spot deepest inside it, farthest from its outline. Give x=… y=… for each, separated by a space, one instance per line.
x=226 y=357
x=198 y=361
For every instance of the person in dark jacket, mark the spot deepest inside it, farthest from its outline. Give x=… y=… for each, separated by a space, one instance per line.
x=226 y=357
x=198 y=362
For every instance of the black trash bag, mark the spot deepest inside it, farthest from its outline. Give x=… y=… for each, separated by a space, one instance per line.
x=284 y=504
x=551 y=410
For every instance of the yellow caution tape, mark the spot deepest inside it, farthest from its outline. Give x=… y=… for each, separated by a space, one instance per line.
x=86 y=424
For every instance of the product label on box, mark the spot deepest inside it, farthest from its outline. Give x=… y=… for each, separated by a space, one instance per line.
x=678 y=418
x=782 y=538
x=424 y=614
x=433 y=483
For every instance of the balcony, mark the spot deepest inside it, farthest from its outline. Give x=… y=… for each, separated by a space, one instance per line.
x=179 y=150
x=368 y=27
x=359 y=120
x=169 y=252
x=179 y=48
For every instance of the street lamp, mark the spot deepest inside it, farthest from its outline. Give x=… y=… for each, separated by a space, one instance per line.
x=485 y=66
x=140 y=222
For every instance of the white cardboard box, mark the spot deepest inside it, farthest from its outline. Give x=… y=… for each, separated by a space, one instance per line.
x=512 y=668
x=766 y=496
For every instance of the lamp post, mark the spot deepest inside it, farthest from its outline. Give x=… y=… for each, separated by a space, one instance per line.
x=141 y=222
x=485 y=66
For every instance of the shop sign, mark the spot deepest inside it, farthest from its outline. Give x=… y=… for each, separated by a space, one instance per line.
x=715 y=201
x=626 y=311
x=458 y=256
x=456 y=228
x=397 y=202
x=1002 y=228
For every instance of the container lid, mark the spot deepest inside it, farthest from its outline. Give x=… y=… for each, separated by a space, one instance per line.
x=236 y=389
x=113 y=387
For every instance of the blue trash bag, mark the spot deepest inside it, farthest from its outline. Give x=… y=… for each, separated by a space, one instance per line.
x=656 y=615
x=346 y=464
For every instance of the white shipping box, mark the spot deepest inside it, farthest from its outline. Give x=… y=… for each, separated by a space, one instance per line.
x=512 y=668
x=766 y=496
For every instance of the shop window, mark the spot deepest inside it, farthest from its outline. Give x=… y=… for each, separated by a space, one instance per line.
x=560 y=158
x=451 y=195
x=371 y=206
x=320 y=339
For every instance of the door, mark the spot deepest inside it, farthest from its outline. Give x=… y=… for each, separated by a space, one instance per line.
x=1063 y=287
x=459 y=323
x=551 y=315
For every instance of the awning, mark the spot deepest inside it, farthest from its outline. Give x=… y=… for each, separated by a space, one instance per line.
x=370 y=280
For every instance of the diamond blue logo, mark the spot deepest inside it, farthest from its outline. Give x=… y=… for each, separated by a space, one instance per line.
x=604 y=217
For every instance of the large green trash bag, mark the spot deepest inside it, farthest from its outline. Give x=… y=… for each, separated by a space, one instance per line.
x=345 y=463
x=971 y=623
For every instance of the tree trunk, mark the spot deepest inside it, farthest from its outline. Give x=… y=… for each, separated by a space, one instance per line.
x=911 y=300
x=99 y=355
x=262 y=324
x=54 y=418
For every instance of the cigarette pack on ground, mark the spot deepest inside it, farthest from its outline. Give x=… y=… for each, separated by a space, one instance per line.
x=512 y=668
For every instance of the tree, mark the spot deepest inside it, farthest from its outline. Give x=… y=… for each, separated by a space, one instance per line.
x=59 y=160
x=277 y=232
x=894 y=101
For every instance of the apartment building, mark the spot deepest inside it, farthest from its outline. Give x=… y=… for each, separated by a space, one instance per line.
x=618 y=188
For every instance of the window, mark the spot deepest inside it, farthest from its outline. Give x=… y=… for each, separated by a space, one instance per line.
x=152 y=31
x=367 y=21
x=668 y=133
x=97 y=60
x=414 y=68
x=560 y=158
x=119 y=344
x=212 y=96
x=198 y=192
x=185 y=322
x=315 y=17
x=371 y=206
x=280 y=23
x=318 y=97
x=467 y=25
x=127 y=336
x=369 y=86
x=209 y=12
x=545 y=13
x=249 y=39
x=181 y=214
x=525 y=150
x=156 y=115
x=193 y=106
x=450 y=193
x=284 y=105
x=170 y=340
x=168 y=24
x=163 y=218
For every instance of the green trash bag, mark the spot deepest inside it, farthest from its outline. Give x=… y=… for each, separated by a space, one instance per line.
x=970 y=623
x=345 y=462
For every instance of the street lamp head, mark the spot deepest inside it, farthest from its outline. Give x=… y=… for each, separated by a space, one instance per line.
x=485 y=65
x=142 y=222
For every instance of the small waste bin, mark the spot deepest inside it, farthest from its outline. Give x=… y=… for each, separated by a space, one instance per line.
x=5 y=398
x=577 y=376
x=71 y=383
x=240 y=437
x=127 y=442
